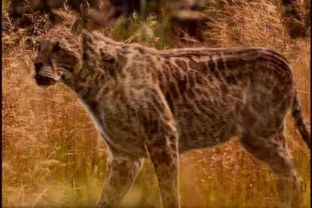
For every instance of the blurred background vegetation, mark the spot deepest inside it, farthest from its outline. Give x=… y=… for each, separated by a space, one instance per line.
x=52 y=154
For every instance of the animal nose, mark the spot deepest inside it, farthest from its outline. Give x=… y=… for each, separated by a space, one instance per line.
x=38 y=66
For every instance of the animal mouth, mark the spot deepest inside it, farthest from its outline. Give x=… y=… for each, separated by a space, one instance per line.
x=44 y=81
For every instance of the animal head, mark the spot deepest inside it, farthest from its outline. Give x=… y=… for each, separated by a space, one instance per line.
x=60 y=50
x=59 y=56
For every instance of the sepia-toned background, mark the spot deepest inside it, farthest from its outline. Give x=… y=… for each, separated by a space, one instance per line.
x=52 y=154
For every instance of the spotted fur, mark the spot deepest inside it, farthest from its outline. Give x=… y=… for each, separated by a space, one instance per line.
x=156 y=104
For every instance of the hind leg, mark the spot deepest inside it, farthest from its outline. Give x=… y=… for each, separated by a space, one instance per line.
x=275 y=153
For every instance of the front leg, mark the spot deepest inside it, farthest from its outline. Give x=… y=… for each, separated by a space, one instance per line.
x=162 y=148
x=121 y=175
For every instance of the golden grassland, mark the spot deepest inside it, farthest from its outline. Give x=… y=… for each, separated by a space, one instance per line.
x=53 y=156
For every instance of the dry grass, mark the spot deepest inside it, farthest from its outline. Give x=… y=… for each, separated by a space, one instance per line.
x=53 y=157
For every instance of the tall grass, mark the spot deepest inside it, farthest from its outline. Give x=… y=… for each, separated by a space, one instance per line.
x=53 y=156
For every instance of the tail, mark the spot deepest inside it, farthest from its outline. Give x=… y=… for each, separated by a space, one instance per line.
x=299 y=122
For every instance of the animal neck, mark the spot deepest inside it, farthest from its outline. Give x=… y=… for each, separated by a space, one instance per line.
x=87 y=83
x=100 y=66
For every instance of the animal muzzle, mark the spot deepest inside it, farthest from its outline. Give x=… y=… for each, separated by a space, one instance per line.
x=44 y=80
x=45 y=76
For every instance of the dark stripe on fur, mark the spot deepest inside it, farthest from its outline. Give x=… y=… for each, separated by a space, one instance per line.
x=299 y=122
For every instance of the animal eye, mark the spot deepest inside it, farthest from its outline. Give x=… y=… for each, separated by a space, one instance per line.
x=56 y=47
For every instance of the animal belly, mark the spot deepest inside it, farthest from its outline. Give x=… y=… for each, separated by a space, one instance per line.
x=209 y=118
x=200 y=131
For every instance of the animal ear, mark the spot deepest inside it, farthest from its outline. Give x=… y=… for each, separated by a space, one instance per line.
x=95 y=19
x=60 y=17
x=77 y=27
x=89 y=19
